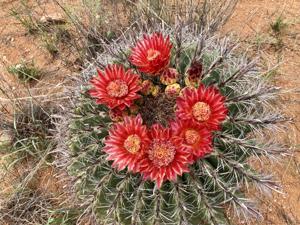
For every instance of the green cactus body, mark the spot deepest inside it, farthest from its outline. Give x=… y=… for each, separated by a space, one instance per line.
x=214 y=182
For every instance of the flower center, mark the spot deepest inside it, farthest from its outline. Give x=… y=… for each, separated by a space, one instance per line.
x=133 y=143
x=201 y=111
x=152 y=54
x=191 y=136
x=117 y=88
x=161 y=153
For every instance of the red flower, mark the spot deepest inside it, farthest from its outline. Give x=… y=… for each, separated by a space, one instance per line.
x=126 y=143
x=115 y=87
x=204 y=106
x=152 y=54
x=196 y=138
x=166 y=157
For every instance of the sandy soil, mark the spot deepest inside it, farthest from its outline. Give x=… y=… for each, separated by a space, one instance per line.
x=251 y=21
x=16 y=46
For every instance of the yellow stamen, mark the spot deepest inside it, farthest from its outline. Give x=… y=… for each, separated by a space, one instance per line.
x=201 y=111
x=132 y=144
x=117 y=88
x=161 y=153
x=191 y=136
x=152 y=54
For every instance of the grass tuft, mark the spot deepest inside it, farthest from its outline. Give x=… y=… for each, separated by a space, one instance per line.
x=25 y=71
x=50 y=44
x=30 y=134
x=278 y=25
x=27 y=22
x=24 y=15
x=32 y=129
x=26 y=207
x=54 y=37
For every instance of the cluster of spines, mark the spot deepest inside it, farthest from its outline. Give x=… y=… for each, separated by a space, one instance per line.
x=213 y=181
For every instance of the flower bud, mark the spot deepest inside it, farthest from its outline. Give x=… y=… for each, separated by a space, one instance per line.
x=155 y=90
x=147 y=87
x=117 y=115
x=173 y=90
x=193 y=74
x=191 y=83
x=134 y=109
x=169 y=76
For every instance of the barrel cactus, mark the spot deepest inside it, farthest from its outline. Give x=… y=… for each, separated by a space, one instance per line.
x=162 y=126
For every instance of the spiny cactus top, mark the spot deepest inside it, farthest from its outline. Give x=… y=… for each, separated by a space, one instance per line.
x=199 y=111
x=163 y=133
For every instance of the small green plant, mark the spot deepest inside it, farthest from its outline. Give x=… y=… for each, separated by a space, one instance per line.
x=53 y=37
x=279 y=25
x=32 y=129
x=28 y=22
x=25 y=71
x=24 y=15
x=62 y=34
x=50 y=43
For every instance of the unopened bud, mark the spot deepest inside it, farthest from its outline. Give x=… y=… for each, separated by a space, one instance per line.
x=173 y=90
x=169 y=76
x=117 y=115
x=155 y=90
x=147 y=87
x=193 y=74
x=134 y=109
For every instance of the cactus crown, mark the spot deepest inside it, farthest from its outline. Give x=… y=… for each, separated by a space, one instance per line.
x=208 y=182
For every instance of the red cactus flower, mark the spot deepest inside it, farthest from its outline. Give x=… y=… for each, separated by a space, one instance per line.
x=196 y=138
x=126 y=143
x=152 y=54
x=204 y=106
x=115 y=87
x=166 y=157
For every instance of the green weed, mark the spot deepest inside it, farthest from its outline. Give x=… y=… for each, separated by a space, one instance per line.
x=25 y=71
